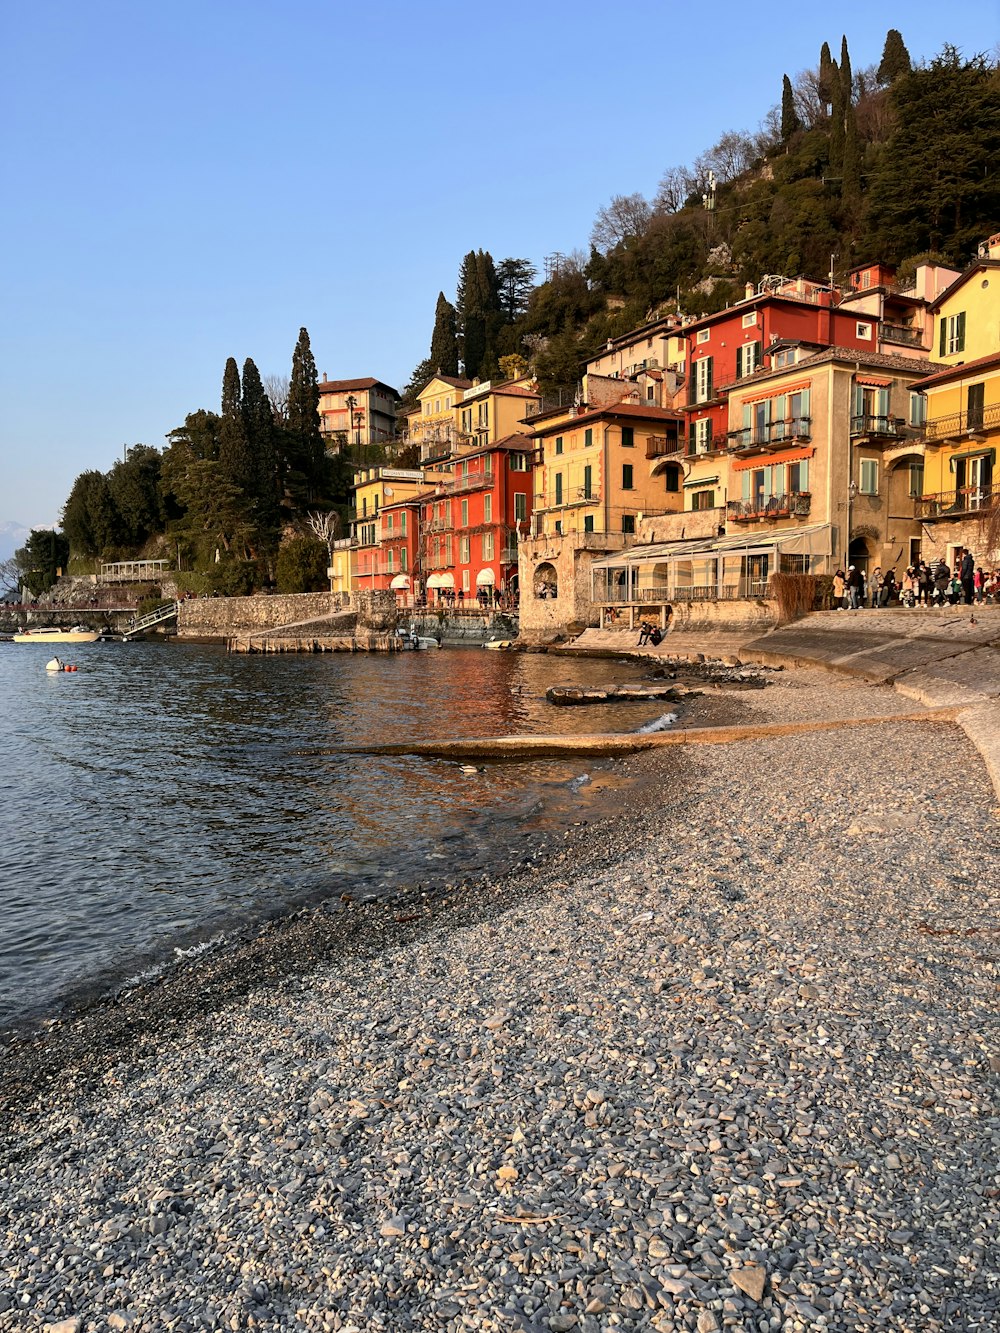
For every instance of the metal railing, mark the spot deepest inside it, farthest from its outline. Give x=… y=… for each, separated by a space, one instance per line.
x=883 y=428
x=958 y=423
x=797 y=503
x=662 y=446
x=474 y=481
x=773 y=432
x=901 y=333
x=952 y=504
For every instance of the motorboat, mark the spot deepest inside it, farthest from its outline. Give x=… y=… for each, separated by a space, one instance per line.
x=57 y=634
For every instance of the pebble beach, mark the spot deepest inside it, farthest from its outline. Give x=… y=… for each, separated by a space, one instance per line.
x=728 y=1060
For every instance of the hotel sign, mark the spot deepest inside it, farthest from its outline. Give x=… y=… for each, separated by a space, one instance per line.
x=477 y=389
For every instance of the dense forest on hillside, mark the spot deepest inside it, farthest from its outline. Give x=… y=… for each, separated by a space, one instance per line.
x=897 y=162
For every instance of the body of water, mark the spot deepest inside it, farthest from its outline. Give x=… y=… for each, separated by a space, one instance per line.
x=154 y=798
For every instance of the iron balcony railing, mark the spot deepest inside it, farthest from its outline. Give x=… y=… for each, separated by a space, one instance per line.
x=901 y=333
x=879 y=428
x=797 y=503
x=953 y=504
x=474 y=481
x=772 y=433
x=961 y=423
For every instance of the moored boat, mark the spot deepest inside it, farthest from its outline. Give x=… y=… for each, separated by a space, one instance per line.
x=56 y=634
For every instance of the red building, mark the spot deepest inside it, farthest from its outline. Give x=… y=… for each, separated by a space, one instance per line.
x=470 y=523
x=785 y=320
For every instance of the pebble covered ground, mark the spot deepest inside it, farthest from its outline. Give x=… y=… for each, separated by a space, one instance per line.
x=728 y=1061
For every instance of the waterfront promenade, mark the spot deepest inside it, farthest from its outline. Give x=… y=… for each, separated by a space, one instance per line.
x=727 y=1061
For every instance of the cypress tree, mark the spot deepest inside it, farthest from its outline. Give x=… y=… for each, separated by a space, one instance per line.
x=895 y=58
x=850 y=185
x=234 y=452
x=444 y=340
x=837 y=129
x=306 y=452
x=258 y=424
x=846 y=77
x=789 y=117
x=471 y=321
x=827 y=74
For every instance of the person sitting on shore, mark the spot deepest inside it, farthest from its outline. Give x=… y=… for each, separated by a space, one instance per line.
x=645 y=633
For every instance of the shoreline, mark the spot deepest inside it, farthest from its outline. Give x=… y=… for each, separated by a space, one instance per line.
x=728 y=1057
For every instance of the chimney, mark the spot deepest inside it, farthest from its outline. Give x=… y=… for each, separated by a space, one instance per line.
x=748 y=291
x=324 y=376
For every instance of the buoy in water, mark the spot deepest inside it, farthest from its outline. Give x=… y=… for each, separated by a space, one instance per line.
x=56 y=665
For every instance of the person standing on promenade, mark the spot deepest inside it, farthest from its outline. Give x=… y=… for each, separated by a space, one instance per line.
x=875 y=585
x=967 y=575
x=838 y=590
x=853 y=587
x=924 y=583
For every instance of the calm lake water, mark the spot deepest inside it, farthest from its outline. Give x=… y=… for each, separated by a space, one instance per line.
x=153 y=798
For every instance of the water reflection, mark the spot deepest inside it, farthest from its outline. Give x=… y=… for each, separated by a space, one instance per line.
x=157 y=792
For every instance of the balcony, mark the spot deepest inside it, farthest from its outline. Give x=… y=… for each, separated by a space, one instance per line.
x=876 y=429
x=573 y=495
x=772 y=435
x=663 y=446
x=962 y=424
x=795 y=504
x=438 y=525
x=957 y=503
x=902 y=334
x=475 y=481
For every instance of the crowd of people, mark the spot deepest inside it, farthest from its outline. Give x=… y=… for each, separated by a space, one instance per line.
x=932 y=583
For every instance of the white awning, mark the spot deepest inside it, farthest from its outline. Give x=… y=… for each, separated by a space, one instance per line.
x=814 y=539
x=441 y=581
x=400 y=583
x=485 y=578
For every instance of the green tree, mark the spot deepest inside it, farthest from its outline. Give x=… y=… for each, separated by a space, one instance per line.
x=303 y=440
x=846 y=77
x=938 y=186
x=828 y=75
x=302 y=565
x=235 y=463
x=41 y=558
x=477 y=305
x=558 y=363
x=850 y=186
x=895 y=60
x=515 y=283
x=444 y=339
x=789 y=116
x=134 y=486
x=89 y=517
x=258 y=428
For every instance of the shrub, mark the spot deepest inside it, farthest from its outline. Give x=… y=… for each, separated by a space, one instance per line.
x=302 y=565
x=795 y=595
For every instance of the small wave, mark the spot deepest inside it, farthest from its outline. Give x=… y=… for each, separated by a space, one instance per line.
x=658 y=724
x=203 y=946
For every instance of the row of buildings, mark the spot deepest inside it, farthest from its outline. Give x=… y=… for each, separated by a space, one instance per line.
x=804 y=428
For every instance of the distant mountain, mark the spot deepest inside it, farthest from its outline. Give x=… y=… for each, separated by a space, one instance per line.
x=12 y=535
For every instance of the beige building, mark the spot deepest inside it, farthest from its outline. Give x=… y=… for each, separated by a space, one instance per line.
x=650 y=358
x=357 y=412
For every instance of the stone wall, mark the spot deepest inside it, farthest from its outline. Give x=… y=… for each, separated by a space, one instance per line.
x=223 y=617
x=571 y=558
x=940 y=539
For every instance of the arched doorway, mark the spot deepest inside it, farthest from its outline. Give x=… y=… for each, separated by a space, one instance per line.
x=546 y=581
x=859 y=554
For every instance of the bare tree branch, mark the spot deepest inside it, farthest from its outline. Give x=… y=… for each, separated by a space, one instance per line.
x=627 y=215
x=276 y=387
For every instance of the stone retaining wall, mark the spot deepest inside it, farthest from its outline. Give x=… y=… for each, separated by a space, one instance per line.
x=225 y=617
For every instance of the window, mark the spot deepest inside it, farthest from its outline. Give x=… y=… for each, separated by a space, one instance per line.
x=700 y=436
x=952 y=334
x=520 y=506
x=916 y=486
x=650 y=393
x=447 y=404
x=588 y=522
x=559 y=444
x=748 y=359
x=518 y=462
x=798 y=477
x=703 y=500
x=918 y=409
x=466 y=581
x=465 y=513
x=704 y=335
x=487 y=545
x=389 y=560
x=628 y=523
x=703 y=379
x=975 y=403
x=463 y=550
x=673 y=479
x=402 y=523
x=868 y=476
x=388 y=522
x=864 y=330
x=628 y=437
x=786 y=357
x=559 y=488
x=750 y=320
x=626 y=476
x=487 y=508
x=588 y=482
x=559 y=527
x=588 y=437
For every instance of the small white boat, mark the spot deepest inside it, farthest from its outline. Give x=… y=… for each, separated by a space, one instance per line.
x=56 y=634
x=498 y=645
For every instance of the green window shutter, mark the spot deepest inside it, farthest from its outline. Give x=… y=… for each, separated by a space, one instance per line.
x=588 y=437
x=588 y=473
x=883 y=402
x=558 y=488
x=739 y=363
x=692 y=438
x=708 y=376
x=944 y=335
x=859 y=401
x=960 y=332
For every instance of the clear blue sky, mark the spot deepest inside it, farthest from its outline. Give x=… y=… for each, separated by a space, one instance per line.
x=191 y=181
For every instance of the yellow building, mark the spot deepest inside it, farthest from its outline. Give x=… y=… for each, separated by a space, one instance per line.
x=961 y=432
x=488 y=411
x=434 y=427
